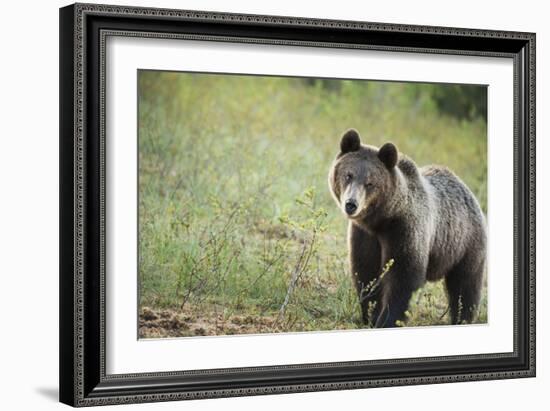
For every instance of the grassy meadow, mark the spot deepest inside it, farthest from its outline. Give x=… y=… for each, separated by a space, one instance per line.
x=238 y=232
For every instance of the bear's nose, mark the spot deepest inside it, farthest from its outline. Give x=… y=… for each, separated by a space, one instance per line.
x=351 y=206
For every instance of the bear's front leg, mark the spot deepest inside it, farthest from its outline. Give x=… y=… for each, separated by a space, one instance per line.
x=364 y=253
x=400 y=282
x=393 y=307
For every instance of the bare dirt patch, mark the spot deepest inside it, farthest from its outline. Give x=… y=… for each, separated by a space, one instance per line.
x=161 y=323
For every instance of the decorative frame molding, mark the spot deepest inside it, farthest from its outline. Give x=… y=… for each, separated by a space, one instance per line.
x=83 y=32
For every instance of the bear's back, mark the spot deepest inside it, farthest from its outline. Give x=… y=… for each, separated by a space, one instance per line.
x=451 y=191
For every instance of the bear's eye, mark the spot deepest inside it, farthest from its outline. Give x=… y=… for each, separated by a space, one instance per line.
x=369 y=185
x=349 y=177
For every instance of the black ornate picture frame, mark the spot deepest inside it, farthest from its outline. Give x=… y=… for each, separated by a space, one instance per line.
x=83 y=31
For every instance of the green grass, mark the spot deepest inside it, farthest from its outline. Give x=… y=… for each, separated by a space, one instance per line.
x=233 y=194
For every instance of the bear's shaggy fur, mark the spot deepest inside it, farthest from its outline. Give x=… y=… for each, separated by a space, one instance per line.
x=424 y=219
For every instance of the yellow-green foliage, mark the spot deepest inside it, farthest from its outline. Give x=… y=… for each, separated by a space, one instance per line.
x=233 y=183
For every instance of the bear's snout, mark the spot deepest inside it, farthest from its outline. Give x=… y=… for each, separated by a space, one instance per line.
x=351 y=206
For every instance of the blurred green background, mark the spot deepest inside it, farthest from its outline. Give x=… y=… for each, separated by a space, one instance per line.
x=238 y=232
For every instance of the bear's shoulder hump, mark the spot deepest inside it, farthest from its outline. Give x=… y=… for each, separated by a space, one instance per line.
x=407 y=166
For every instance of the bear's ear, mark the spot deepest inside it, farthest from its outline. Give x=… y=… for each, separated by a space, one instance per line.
x=388 y=155
x=350 y=141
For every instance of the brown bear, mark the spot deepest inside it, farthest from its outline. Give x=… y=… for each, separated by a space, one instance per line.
x=424 y=219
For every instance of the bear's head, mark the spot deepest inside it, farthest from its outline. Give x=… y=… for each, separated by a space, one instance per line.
x=363 y=178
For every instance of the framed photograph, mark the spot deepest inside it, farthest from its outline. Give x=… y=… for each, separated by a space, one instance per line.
x=262 y=204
